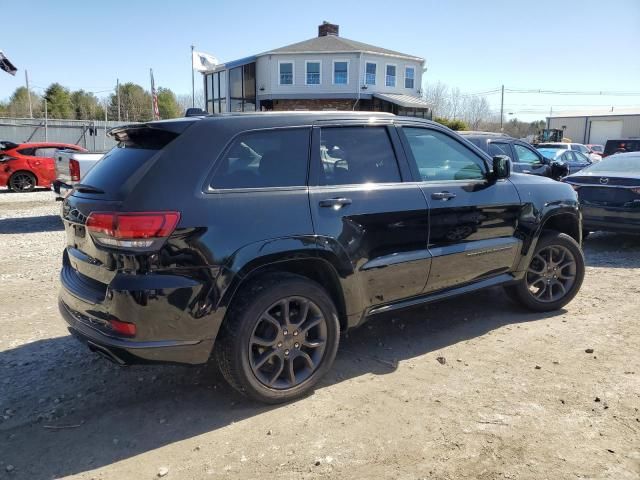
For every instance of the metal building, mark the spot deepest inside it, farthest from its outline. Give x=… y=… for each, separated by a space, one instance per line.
x=597 y=127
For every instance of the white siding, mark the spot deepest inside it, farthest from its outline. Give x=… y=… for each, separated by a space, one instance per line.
x=267 y=73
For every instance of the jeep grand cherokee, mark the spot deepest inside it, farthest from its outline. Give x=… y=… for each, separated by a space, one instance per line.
x=258 y=238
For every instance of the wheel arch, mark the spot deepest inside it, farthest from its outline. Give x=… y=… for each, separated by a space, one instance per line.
x=299 y=256
x=24 y=170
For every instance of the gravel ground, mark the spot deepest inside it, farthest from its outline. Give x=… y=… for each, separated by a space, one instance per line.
x=473 y=388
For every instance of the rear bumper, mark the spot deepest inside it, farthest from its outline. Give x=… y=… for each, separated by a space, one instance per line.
x=623 y=220
x=172 y=315
x=129 y=352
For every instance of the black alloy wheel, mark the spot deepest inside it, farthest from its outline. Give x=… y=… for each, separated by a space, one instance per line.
x=288 y=342
x=279 y=337
x=554 y=275
x=22 y=182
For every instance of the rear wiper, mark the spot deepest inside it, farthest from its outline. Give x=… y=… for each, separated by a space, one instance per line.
x=82 y=188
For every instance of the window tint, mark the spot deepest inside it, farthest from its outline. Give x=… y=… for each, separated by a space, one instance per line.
x=499 y=149
x=356 y=155
x=27 y=151
x=525 y=155
x=440 y=157
x=273 y=158
x=46 y=152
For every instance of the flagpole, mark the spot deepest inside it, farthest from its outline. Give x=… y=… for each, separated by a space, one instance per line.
x=153 y=108
x=193 y=81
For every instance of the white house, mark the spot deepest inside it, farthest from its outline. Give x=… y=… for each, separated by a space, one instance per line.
x=327 y=72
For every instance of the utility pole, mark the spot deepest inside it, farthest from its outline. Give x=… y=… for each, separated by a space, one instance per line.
x=193 y=81
x=502 y=110
x=118 y=95
x=26 y=77
x=46 y=124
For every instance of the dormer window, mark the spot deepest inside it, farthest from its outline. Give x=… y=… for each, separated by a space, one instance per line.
x=390 y=78
x=313 y=72
x=409 y=77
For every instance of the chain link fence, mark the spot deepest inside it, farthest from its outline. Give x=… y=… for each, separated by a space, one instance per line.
x=90 y=134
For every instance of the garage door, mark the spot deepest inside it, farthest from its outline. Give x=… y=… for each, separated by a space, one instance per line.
x=603 y=130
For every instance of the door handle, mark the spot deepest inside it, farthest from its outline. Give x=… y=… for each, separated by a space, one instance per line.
x=443 y=195
x=335 y=202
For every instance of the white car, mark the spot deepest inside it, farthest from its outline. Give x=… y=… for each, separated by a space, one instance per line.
x=576 y=147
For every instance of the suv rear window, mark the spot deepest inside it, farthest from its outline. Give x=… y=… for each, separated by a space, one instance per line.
x=618 y=146
x=136 y=146
x=265 y=158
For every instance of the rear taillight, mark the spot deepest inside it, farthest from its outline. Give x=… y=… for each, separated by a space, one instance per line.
x=74 y=170
x=131 y=230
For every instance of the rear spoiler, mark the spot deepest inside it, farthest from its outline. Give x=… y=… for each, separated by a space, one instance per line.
x=175 y=126
x=151 y=135
x=6 y=145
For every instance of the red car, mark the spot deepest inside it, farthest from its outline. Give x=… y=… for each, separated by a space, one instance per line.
x=27 y=165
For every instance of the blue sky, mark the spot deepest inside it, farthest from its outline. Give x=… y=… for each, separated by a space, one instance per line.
x=587 y=45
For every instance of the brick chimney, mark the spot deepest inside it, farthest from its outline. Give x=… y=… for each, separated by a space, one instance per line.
x=328 y=29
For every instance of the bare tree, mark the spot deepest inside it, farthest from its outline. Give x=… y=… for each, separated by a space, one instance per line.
x=437 y=95
x=475 y=110
x=184 y=100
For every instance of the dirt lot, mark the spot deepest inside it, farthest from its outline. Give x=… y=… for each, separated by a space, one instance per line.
x=514 y=394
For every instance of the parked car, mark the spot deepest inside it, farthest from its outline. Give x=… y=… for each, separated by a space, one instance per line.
x=575 y=147
x=27 y=165
x=609 y=193
x=574 y=161
x=71 y=166
x=595 y=148
x=261 y=252
x=524 y=158
x=621 y=146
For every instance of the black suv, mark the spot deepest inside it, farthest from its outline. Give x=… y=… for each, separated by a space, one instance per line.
x=524 y=158
x=258 y=238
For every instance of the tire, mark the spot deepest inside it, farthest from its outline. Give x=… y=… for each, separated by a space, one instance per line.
x=256 y=348
x=21 y=182
x=544 y=289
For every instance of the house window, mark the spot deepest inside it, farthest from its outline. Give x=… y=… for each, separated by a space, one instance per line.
x=340 y=73
x=391 y=76
x=216 y=92
x=370 y=74
x=313 y=73
x=286 y=73
x=409 y=77
x=242 y=88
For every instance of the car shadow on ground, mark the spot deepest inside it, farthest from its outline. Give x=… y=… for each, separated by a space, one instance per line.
x=612 y=250
x=43 y=223
x=69 y=405
x=37 y=189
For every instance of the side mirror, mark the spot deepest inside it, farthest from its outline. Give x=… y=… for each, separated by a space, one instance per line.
x=501 y=167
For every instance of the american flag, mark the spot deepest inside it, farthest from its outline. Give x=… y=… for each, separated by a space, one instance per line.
x=154 y=96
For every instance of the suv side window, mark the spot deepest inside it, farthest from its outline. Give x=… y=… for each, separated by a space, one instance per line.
x=356 y=155
x=525 y=155
x=497 y=148
x=440 y=157
x=264 y=158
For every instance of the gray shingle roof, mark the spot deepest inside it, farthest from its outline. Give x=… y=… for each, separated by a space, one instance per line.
x=333 y=43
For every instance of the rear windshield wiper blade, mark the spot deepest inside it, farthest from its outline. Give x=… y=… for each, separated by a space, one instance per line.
x=82 y=188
